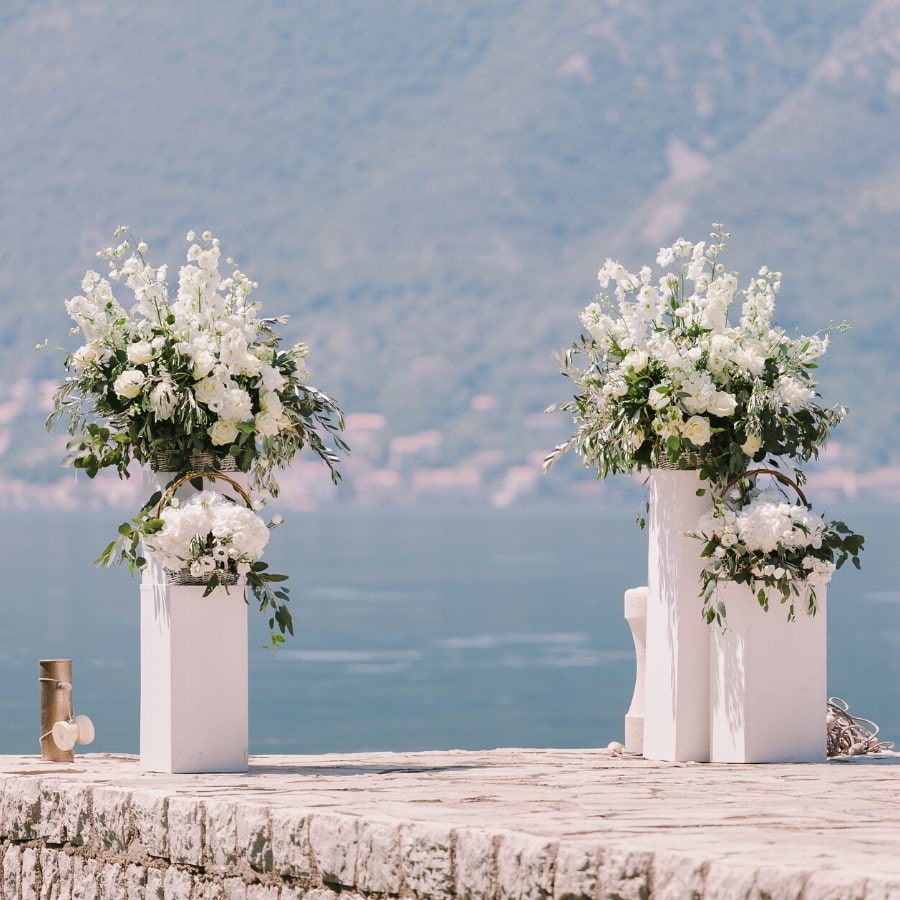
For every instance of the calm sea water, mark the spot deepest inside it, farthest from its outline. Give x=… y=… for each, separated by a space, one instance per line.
x=416 y=629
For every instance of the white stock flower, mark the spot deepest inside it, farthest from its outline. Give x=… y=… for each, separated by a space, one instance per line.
x=793 y=393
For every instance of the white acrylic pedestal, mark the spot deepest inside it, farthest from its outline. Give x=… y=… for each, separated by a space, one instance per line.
x=768 y=681
x=194 y=677
x=676 y=681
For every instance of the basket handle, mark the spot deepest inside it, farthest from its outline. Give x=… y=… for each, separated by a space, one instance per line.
x=775 y=473
x=170 y=490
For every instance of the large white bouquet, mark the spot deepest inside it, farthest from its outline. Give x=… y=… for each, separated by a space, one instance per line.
x=195 y=371
x=669 y=378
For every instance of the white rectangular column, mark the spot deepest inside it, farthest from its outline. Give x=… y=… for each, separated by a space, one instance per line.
x=676 y=681
x=769 y=681
x=194 y=679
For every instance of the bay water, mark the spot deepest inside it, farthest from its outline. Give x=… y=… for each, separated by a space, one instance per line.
x=416 y=629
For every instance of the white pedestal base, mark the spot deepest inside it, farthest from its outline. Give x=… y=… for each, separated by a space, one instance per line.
x=676 y=687
x=768 y=681
x=636 y=617
x=194 y=677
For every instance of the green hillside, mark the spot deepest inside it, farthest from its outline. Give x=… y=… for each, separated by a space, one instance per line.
x=428 y=189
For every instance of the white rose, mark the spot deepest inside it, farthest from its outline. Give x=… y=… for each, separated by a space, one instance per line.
x=636 y=360
x=697 y=430
x=222 y=433
x=85 y=356
x=751 y=446
x=659 y=397
x=128 y=384
x=209 y=390
x=266 y=424
x=204 y=362
x=721 y=404
x=140 y=353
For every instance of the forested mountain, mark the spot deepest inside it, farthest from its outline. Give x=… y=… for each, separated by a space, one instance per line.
x=428 y=190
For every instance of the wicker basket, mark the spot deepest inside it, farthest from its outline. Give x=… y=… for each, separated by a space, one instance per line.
x=169 y=458
x=184 y=576
x=688 y=460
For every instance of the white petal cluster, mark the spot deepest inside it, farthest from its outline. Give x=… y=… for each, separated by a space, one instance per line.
x=208 y=531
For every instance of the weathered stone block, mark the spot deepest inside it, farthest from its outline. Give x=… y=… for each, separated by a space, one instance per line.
x=235 y=889
x=577 y=871
x=135 y=882
x=185 y=821
x=262 y=892
x=177 y=884
x=21 y=809
x=150 y=815
x=333 y=839
x=626 y=874
x=525 y=866
x=112 y=882
x=30 y=874
x=427 y=859
x=220 y=850
x=75 y=812
x=208 y=890
x=378 y=860
x=49 y=875
x=253 y=836
x=112 y=817
x=85 y=879
x=676 y=876
x=155 y=884
x=291 y=851
x=476 y=864
x=12 y=872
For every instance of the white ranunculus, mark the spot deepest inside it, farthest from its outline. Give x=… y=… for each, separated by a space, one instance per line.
x=222 y=433
x=128 y=383
x=697 y=430
x=140 y=353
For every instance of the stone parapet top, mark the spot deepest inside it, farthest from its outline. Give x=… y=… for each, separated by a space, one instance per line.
x=512 y=823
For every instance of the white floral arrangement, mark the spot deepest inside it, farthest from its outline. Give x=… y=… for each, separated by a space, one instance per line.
x=195 y=371
x=761 y=538
x=208 y=535
x=668 y=379
x=211 y=538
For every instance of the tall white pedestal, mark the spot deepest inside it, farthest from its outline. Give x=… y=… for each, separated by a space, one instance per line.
x=768 y=681
x=676 y=681
x=194 y=679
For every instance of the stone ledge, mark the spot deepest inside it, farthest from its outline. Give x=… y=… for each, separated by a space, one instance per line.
x=498 y=825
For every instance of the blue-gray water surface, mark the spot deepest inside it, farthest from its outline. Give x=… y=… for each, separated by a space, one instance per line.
x=415 y=629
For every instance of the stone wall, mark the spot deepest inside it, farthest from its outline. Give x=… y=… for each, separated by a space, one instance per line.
x=80 y=842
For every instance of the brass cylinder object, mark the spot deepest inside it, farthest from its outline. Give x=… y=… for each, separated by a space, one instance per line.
x=56 y=705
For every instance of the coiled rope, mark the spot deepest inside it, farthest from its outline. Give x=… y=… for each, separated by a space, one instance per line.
x=851 y=735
